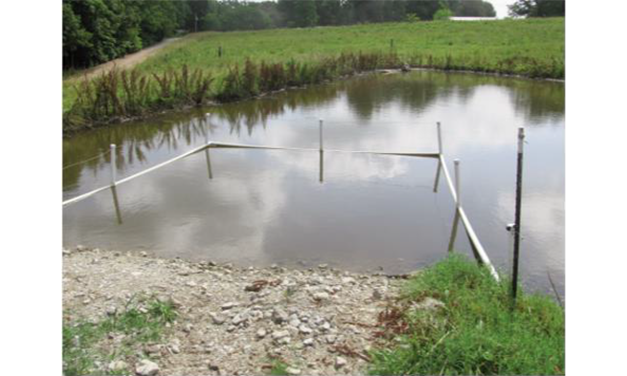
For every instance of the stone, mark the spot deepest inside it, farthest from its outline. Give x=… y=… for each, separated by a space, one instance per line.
x=261 y=333
x=279 y=316
x=278 y=334
x=117 y=365
x=340 y=362
x=304 y=329
x=217 y=318
x=330 y=339
x=229 y=305
x=376 y=295
x=147 y=368
x=428 y=304
x=292 y=371
x=81 y=248
x=320 y=296
x=295 y=323
x=308 y=342
x=348 y=280
x=325 y=327
x=323 y=266
x=143 y=254
x=240 y=318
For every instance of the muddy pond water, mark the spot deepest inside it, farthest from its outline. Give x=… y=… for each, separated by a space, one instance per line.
x=358 y=212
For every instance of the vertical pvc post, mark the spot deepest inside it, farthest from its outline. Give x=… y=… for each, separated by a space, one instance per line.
x=519 y=167
x=457 y=177
x=321 y=139
x=113 y=164
x=439 y=138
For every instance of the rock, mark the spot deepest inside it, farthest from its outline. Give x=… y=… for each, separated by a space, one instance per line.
x=348 y=280
x=428 y=304
x=111 y=311
x=261 y=333
x=147 y=368
x=143 y=254
x=278 y=334
x=229 y=305
x=405 y=68
x=190 y=284
x=81 y=248
x=117 y=365
x=308 y=342
x=66 y=252
x=376 y=295
x=323 y=266
x=217 y=318
x=188 y=328
x=304 y=329
x=325 y=327
x=175 y=346
x=321 y=296
x=279 y=316
x=292 y=371
x=295 y=323
x=340 y=362
x=240 y=318
x=330 y=339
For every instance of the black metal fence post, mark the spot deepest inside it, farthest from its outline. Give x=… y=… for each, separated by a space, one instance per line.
x=519 y=168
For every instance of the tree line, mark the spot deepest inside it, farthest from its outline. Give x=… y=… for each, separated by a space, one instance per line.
x=96 y=31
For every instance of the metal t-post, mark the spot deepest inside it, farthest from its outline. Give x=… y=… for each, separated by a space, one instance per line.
x=519 y=168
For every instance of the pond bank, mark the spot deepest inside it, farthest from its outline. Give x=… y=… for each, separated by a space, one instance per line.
x=229 y=320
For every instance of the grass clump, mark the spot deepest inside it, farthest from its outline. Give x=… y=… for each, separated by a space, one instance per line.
x=278 y=368
x=84 y=342
x=475 y=333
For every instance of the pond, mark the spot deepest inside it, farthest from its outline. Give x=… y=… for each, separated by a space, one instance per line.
x=359 y=212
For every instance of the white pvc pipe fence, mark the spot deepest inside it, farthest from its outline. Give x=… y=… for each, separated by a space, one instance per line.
x=454 y=189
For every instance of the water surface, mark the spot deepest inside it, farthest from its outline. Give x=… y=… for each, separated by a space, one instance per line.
x=360 y=212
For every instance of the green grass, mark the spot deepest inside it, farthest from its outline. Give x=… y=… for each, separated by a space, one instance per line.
x=279 y=368
x=140 y=322
x=476 y=333
x=533 y=48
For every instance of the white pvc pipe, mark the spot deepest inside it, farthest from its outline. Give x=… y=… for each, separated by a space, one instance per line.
x=439 y=138
x=457 y=183
x=321 y=139
x=472 y=236
x=113 y=164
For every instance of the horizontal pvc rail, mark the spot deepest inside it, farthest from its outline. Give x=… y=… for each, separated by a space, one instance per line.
x=235 y=146
x=91 y=193
x=472 y=236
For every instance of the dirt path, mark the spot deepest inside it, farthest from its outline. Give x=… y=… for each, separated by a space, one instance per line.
x=125 y=62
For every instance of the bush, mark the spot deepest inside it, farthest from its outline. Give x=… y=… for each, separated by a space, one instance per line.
x=443 y=14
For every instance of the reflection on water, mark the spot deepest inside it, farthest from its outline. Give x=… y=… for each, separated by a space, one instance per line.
x=354 y=211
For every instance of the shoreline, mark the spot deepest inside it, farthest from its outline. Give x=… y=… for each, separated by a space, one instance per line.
x=227 y=316
x=68 y=133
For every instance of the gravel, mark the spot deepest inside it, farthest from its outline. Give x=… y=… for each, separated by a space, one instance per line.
x=233 y=320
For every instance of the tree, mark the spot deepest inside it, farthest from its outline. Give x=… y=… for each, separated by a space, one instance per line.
x=299 y=13
x=538 y=8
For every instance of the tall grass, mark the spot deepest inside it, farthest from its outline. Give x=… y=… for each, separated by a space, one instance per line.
x=117 y=94
x=476 y=333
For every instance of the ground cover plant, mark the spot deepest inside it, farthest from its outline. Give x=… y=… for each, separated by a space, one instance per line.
x=474 y=332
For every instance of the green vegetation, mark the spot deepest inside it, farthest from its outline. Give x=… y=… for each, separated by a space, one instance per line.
x=252 y=63
x=141 y=321
x=279 y=368
x=95 y=31
x=475 y=333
